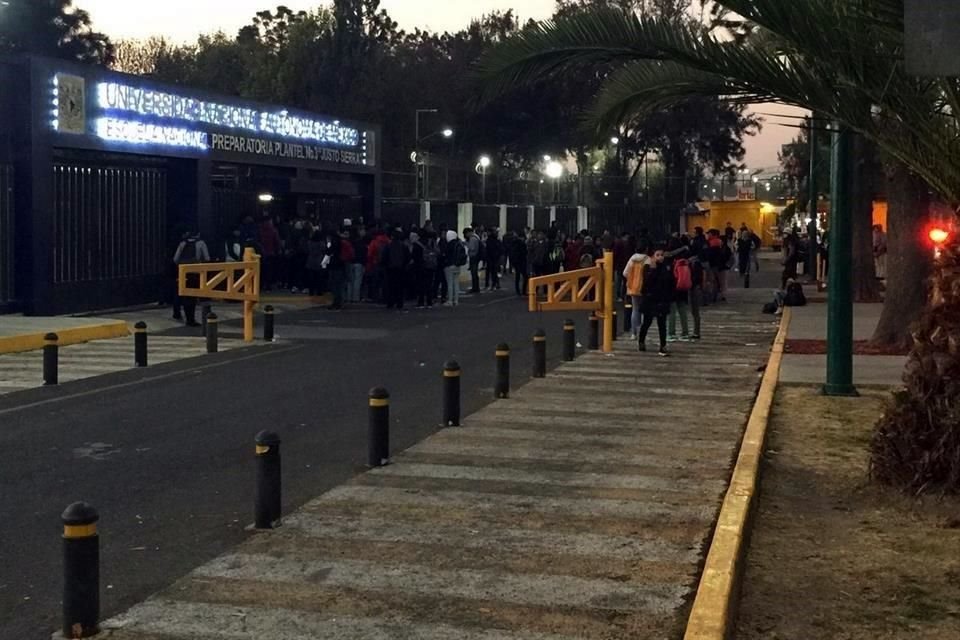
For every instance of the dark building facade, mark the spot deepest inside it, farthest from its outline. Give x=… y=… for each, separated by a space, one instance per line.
x=100 y=173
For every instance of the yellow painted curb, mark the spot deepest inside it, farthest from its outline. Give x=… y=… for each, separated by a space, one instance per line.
x=714 y=609
x=75 y=335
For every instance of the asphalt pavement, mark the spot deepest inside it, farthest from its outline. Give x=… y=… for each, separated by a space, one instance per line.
x=166 y=453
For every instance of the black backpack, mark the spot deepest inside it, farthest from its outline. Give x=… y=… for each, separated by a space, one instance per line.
x=459 y=254
x=189 y=253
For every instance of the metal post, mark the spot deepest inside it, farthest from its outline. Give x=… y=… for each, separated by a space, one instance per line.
x=540 y=354
x=213 y=333
x=594 y=342
x=609 y=302
x=503 y=371
x=140 y=344
x=378 y=430
x=840 y=298
x=569 y=341
x=205 y=312
x=451 y=394
x=267 y=501
x=813 y=241
x=615 y=321
x=268 y=320
x=81 y=571
x=51 y=357
x=627 y=317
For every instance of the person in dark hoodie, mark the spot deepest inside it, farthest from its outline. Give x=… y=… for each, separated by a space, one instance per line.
x=395 y=258
x=658 y=294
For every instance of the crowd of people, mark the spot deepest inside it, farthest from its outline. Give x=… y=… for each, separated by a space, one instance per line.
x=669 y=282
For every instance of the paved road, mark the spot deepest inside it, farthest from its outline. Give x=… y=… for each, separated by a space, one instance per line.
x=166 y=453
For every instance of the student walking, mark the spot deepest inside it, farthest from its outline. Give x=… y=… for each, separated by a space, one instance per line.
x=191 y=250
x=633 y=276
x=683 y=283
x=658 y=293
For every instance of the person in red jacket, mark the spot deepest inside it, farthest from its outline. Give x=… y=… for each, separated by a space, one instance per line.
x=571 y=253
x=375 y=270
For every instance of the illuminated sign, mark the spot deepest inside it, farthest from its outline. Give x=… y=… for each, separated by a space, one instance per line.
x=115 y=97
x=127 y=115
x=132 y=132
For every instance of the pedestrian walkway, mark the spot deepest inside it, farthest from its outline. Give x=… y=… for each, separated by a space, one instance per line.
x=578 y=508
x=21 y=371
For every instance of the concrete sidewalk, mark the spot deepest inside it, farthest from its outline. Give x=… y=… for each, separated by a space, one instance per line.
x=580 y=507
x=810 y=323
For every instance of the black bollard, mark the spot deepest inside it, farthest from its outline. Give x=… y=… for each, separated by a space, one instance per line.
x=140 y=344
x=378 y=433
x=616 y=325
x=205 y=312
x=628 y=317
x=81 y=571
x=213 y=333
x=569 y=341
x=451 y=394
x=503 y=371
x=540 y=354
x=594 y=344
x=51 y=359
x=268 y=323
x=267 y=509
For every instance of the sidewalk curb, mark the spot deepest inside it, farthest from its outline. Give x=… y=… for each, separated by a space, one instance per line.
x=75 y=335
x=714 y=609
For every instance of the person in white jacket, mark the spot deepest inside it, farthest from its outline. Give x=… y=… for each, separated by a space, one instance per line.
x=633 y=276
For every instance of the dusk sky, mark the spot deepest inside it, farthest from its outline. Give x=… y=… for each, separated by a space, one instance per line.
x=183 y=20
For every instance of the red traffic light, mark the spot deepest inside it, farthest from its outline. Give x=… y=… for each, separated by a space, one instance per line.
x=939 y=236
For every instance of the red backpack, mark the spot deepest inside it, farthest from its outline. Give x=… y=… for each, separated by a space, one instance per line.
x=683 y=274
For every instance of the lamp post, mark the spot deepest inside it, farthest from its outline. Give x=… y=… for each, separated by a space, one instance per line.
x=554 y=170
x=417 y=145
x=483 y=164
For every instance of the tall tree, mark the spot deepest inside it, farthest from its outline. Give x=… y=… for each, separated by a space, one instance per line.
x=53 y=28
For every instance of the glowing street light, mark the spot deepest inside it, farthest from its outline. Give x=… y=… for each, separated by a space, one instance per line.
x=554 y=170
x=484 y=161
x=614 y=140
x=447 y=133
x=265 y=198
x=547 y=158
x=939 y=236
x=482 y=165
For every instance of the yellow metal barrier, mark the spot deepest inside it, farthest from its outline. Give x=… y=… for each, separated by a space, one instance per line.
x=581 y=290
x=226 y=281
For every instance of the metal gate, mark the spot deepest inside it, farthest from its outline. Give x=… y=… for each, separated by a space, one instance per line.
x=109 y=222
x=8 y=290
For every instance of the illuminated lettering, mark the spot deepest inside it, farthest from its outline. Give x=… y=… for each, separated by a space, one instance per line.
x=142 y=133
x=116 y=97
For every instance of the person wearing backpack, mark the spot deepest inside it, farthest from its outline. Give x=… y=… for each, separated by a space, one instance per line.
x=658 y=294
x=745 y=254
x=473 y=254
x=454 y=257
x=426 y=272
x=633 y=276
x=338 y=254
x=683 y=278
x=191 y=250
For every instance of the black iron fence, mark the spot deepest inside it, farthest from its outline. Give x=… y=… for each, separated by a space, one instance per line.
x=109 y=222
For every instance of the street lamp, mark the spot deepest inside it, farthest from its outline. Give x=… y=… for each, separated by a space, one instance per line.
x=614 y=140
x=417 y=144
x=265 y=198
x=554 y=170
x=483 y=164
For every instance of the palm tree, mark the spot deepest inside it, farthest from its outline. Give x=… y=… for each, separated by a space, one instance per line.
x=841 y=59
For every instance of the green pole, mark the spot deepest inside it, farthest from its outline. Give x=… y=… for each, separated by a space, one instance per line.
x=840 y=285
x=812 y=210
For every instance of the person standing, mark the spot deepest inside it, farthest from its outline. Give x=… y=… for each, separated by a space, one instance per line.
x=191 y=250
x=395 y=258
x=357 y=266
x=473 y=255
x=454 y=257
x=879 y=252
x=430 y=264
x=745 y=254
x=696 y=293
x=658 y=294
x=683 y=283
x=339 y=253
x=633 y=275
x=791 y=256
x=316 y=251
x=494 y=252
x=271 y=248
x=518 y=259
